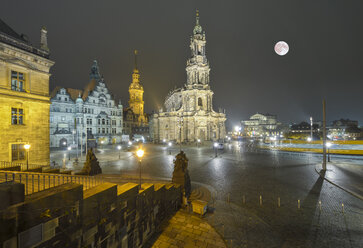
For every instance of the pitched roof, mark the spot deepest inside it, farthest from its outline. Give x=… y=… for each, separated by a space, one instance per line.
x=10 y=37
x=6 y=29
x=73 y=93
x=89 y=88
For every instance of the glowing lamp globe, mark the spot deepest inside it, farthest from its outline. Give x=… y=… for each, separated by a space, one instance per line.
x=27 y=147
x=140 y=153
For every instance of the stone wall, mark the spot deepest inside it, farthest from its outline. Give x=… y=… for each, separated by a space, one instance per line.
x=107 y=215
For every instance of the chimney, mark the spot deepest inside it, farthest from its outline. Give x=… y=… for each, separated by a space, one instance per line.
x=44 y=39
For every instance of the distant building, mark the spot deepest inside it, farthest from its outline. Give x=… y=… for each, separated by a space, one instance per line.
x=24 y=97
x=189 y=114
x=262 y=125
x=344 y=129
x=136 y=122
x=79 y=115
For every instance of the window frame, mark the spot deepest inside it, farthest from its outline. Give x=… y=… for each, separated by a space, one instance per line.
x=18 y=81
x=19 y=116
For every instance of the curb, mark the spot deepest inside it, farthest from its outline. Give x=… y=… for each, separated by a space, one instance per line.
x=337 y=185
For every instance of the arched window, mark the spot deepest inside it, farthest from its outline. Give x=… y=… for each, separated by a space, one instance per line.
x=200 y=102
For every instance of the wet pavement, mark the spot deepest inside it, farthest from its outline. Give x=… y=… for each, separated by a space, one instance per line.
x=261 y=198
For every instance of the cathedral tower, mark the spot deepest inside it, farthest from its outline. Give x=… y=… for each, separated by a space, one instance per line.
x=197 y=66
x=136 y=91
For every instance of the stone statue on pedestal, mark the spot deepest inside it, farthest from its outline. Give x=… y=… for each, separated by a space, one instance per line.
x=181 y=173
x=91 y=166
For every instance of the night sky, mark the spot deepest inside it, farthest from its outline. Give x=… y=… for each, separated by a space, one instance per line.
x=247 y=76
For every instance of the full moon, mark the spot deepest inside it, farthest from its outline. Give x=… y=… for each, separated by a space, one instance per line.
x=281 y=48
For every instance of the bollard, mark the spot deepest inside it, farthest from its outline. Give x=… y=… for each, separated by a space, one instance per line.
x=320 y=206
x=343 y=208
x=278 y=202
x=298 y=204
x=244 y=199
x=261 y=200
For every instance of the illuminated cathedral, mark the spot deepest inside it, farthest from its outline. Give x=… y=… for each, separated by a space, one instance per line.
x=189 y=114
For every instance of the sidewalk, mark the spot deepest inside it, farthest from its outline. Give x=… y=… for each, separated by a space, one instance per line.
x=187 y=230
x=348 y=177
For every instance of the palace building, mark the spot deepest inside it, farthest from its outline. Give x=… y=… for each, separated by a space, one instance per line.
x=135 y=119
x=24 y=97
x=90 y=114
x=189 y=114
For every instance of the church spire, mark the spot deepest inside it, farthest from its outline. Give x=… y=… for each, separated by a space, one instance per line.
x=135 y=73
x=197 y=17
x=197 y=29
x=135 y=52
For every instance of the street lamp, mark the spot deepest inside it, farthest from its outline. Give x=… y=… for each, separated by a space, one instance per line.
x=130 y=143
x=69 y=152
x=311 y=128
x=328 y=144
x=140 y=154
x=169 y=144
x=309 y=139
x=215 y=149
x=198 y=142
x=119 y=151
x=101 y=143
x=180 y=124
x=27 y=147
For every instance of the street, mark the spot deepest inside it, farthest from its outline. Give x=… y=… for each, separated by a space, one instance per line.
x=261 y=198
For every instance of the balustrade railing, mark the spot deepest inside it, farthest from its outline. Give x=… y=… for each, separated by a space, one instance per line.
x=23 y=167
x=35 y=182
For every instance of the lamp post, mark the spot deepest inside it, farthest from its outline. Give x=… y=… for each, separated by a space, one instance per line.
x=180 y=124
x=69 y=152
x=215 y=149
x=101 y=143
x=119 y=151
x=169 y=145
x=311 y=128
x=140 y=154
x=198 y=142
x=27 y=147
x=328 y=144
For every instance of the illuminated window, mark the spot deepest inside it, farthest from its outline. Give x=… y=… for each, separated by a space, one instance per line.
x=17 y=152
x=17 y=81
x=17 y=116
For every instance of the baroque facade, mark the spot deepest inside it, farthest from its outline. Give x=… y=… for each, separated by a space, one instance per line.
x=24 y=97
x=135 y=119
x=189 y=114
x=89 y=114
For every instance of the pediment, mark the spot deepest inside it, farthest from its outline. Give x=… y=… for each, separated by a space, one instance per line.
x=20 y=62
